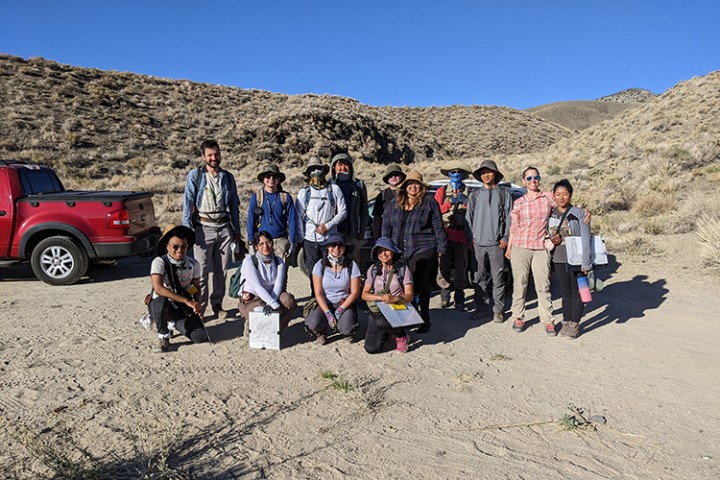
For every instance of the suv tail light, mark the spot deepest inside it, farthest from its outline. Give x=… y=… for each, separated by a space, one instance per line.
x=119 y=219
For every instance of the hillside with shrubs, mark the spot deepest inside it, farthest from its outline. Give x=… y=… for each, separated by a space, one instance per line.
x=647 y=165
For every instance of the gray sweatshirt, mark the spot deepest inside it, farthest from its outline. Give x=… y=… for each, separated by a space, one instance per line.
x=488 y=215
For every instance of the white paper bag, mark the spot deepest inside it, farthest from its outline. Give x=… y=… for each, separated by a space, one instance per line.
x=574 y=250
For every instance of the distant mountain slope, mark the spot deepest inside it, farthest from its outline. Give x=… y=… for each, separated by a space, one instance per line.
x=579 y=115
x=97 y=123
x=631 y=95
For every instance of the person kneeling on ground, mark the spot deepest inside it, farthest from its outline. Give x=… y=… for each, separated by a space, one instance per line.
x=264 y=279
x=336 y=281
x=386 y=282
x=176 y=288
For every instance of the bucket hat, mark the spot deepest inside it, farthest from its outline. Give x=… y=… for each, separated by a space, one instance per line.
x=338 y=238
x=489 y=165
x=413 y=177
x=384 y=242
x=170 y=231
x=316 y=162
x=391 y=169
x=270 y=169
x=455 y=165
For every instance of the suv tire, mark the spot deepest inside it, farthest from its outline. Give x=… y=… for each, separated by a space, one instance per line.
x=59 y=261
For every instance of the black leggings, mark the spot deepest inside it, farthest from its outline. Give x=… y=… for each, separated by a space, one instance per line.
x=572 y=306
x=378 y=331
x=421 y=265
x=162 y=311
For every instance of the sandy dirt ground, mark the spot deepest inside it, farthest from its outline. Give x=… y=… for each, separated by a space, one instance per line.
x=470 y=400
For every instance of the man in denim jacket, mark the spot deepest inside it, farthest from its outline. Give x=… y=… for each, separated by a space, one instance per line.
x=211 y=208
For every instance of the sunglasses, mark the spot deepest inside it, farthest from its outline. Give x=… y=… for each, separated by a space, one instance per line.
x=336 y=244
x=175 y=247
x=531 y=178
x=271 y=175
x=455 y=171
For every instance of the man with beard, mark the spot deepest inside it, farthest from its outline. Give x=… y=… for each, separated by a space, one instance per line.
x=211 y=208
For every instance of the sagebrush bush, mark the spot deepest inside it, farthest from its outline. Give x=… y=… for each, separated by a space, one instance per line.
x=708 y=235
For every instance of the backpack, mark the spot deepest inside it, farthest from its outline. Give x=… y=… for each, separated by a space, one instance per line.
x=260 y=200
x=195 y=218
x=306 y=202
x=237 y=281
x=397 y=270
x=453 y=217
x=504 y=192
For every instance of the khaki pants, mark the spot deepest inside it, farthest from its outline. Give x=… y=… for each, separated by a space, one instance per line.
x=522 y=261
x=286 y=299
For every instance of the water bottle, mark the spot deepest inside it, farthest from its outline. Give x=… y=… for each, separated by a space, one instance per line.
x=584 y=289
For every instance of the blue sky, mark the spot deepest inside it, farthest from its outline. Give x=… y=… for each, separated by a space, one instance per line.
x=400 y=53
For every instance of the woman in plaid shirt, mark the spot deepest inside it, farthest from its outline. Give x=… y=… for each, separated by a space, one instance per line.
x=414 y=223
x=526 y=250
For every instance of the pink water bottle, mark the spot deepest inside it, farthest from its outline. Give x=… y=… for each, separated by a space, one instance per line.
x=584 y=289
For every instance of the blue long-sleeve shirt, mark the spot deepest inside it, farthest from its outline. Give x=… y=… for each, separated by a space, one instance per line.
x=278 y=219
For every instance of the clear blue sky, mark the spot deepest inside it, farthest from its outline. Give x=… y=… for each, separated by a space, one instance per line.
x=400 y=53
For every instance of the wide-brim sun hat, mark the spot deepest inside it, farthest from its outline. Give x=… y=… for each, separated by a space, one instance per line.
x=270 y=169
x=488 y=165
x=413 y=177
x=338 y=238
x=386 y=243
x=391 y=170
x=455 y=165
x=170 y=231
x=316 y=162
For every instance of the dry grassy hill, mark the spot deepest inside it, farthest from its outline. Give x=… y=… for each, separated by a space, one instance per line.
x=648 y=168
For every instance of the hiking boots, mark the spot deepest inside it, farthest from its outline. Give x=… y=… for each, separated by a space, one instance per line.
x=163 y=345
x=498 y=317
x=570 y=330
x=219 y=312
x=320 y=339
x=402 y=344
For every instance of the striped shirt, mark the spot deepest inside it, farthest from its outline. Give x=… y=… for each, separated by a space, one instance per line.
x=529 y=220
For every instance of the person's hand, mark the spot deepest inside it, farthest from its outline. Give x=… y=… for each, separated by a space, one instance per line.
x=331 y=319
x=339 y=312
x=503 y=244
x=508 y=253
x=321 y=229
x=194 y=305
x=267 y=310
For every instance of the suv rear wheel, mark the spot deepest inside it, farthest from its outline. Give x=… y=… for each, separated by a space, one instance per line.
x=59 y=261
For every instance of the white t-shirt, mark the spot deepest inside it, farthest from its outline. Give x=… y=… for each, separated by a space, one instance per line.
x=188 y=271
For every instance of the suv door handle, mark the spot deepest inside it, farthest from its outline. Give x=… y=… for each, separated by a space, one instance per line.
x=2 y=213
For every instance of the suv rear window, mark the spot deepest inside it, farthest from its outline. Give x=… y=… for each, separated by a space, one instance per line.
x=39 y=181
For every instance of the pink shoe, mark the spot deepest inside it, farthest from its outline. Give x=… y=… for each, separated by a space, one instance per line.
x=402 y=344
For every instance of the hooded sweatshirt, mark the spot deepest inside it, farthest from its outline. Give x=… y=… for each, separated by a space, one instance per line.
x=355 y=195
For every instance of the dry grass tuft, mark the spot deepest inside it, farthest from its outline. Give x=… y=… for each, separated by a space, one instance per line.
x=708 y=235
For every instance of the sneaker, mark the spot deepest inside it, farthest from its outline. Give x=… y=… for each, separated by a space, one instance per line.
x=498 y=317
x=550 y=329
x=571 y=330
x=518 y=325
x=219 y=312
x=424 y=328
x=163 y=345
x=402 y=344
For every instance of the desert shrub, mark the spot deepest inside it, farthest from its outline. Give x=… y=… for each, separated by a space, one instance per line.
x=708 y=235
x=654 y=204
x=638 y=244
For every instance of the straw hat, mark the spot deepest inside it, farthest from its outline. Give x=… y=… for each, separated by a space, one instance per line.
x=413 y=177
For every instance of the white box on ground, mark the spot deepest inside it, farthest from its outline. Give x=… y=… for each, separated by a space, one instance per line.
x=264 y=330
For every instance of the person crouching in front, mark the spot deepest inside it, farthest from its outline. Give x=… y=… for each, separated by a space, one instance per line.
x=386 y=282
x=264 y=280
x=336 y=279
x=176 y=288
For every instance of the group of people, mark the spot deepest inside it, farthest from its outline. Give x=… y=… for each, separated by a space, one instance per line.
x=420 y=240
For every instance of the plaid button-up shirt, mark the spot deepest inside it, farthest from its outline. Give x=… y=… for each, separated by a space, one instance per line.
x=529 y=221
x=423 y=227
